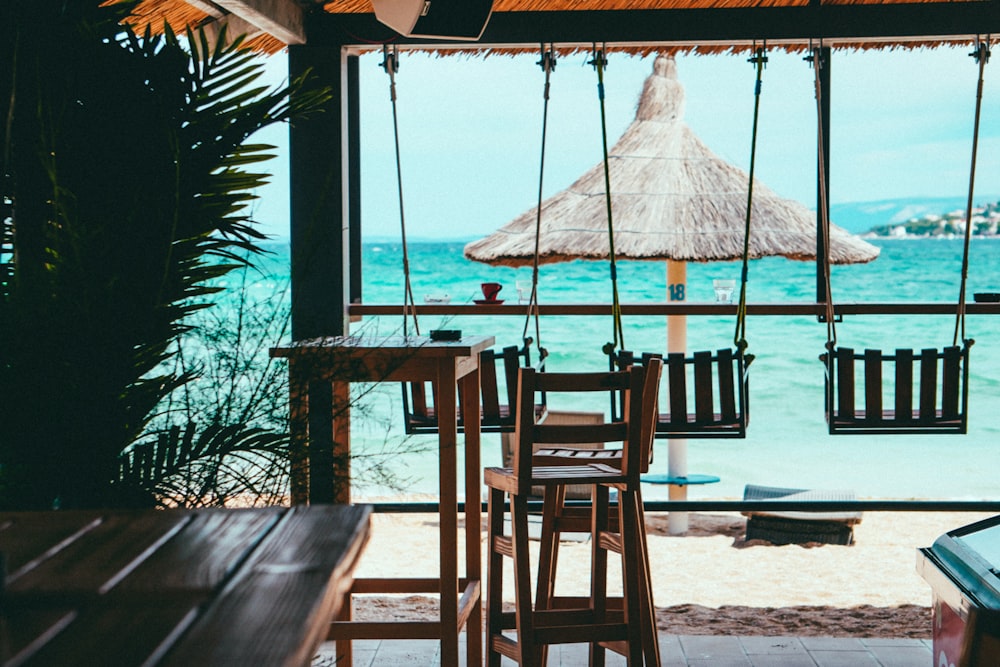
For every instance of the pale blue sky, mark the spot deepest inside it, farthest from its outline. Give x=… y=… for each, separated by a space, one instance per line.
x=470 y=130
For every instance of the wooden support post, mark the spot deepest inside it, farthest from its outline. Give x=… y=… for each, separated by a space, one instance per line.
x=677 y=342
x=823 y=174
x=318 y=191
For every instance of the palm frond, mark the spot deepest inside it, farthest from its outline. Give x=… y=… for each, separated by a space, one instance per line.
x=182 y=464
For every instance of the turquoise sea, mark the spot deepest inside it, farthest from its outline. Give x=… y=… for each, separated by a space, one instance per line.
x=787 y=442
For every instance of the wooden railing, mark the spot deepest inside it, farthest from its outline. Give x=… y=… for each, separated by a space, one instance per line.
x=861 y=505
x=687 y=308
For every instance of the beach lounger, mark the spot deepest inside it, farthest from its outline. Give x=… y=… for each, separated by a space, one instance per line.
x=797 y=527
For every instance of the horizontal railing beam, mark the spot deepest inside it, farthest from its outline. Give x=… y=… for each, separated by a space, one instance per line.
x=745 y=505
x=686 y=308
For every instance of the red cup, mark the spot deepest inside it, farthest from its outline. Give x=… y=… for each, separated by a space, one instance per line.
x=490 y=290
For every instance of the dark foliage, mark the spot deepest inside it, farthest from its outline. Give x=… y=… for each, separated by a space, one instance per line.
x=124 y=171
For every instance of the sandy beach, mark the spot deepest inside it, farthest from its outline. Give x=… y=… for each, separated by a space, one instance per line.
x=712 y=581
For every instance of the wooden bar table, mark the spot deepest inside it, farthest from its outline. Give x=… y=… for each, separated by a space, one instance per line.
x=175 y=587
x=320 y=372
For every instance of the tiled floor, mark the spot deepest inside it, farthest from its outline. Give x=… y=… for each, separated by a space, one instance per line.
x=700 y=651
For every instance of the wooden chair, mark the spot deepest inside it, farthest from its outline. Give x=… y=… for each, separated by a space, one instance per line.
x=559 y=517
x=626 y=625
x=941 y=395
x=495 y=417
x=707 y=396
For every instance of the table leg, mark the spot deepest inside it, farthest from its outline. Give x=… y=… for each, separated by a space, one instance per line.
x=298 y=429
x=327 y=415
x=469 y=386
x=344 y=647
x=341 y=460
x=444 y=399
x=321 y=425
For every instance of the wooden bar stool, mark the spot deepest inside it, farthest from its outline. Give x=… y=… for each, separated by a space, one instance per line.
x=627 y=625
x=559 y=518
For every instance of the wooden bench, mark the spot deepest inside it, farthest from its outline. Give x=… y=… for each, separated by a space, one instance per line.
x=799 y=527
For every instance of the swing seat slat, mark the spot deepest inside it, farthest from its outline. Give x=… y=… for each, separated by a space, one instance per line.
x=904 y=385
x=490 y=409
x=941 y=405
x=928 y=382
x=677 y=381
x=704 y=408
x=727 y=385
x=952 y=364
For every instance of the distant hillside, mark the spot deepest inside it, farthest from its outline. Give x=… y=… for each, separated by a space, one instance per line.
x=860 y=217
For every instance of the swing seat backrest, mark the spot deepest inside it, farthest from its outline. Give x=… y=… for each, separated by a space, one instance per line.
x=707 y=394
x=495 y=417
x=535 y=443
x=933 y=400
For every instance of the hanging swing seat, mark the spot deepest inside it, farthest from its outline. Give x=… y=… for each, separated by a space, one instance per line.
x=716 y=384
x=940 y=387
x=419 y=415
x=929 y=398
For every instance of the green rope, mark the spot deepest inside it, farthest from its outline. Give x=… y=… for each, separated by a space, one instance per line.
x=816 y=58
x=759 y=59
x=982 y=56
x=391 y=65
x=600 y=62
x=547 y=63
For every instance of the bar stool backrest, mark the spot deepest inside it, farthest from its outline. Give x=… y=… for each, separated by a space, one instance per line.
x=638 y=386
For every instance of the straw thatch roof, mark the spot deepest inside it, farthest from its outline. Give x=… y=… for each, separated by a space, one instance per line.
x=672 y=198
x=273 y=24
x=183 y=14
x=363 y=6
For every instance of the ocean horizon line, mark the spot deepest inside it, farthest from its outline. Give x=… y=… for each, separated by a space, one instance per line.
x=858 y=217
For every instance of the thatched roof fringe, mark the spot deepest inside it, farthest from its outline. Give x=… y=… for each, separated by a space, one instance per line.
x=180 y=15
x=365 y=6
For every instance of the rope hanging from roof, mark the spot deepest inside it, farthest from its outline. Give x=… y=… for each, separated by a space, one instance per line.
x=548 y=64
x=981 y=56
x=759 y=60
x=815 y=57
x=390 y=64
x=600 y=62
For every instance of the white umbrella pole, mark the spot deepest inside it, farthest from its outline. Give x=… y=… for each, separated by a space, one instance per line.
x=677 y=342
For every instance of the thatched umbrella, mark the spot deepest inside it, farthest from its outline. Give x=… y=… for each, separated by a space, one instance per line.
x=672 y=199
